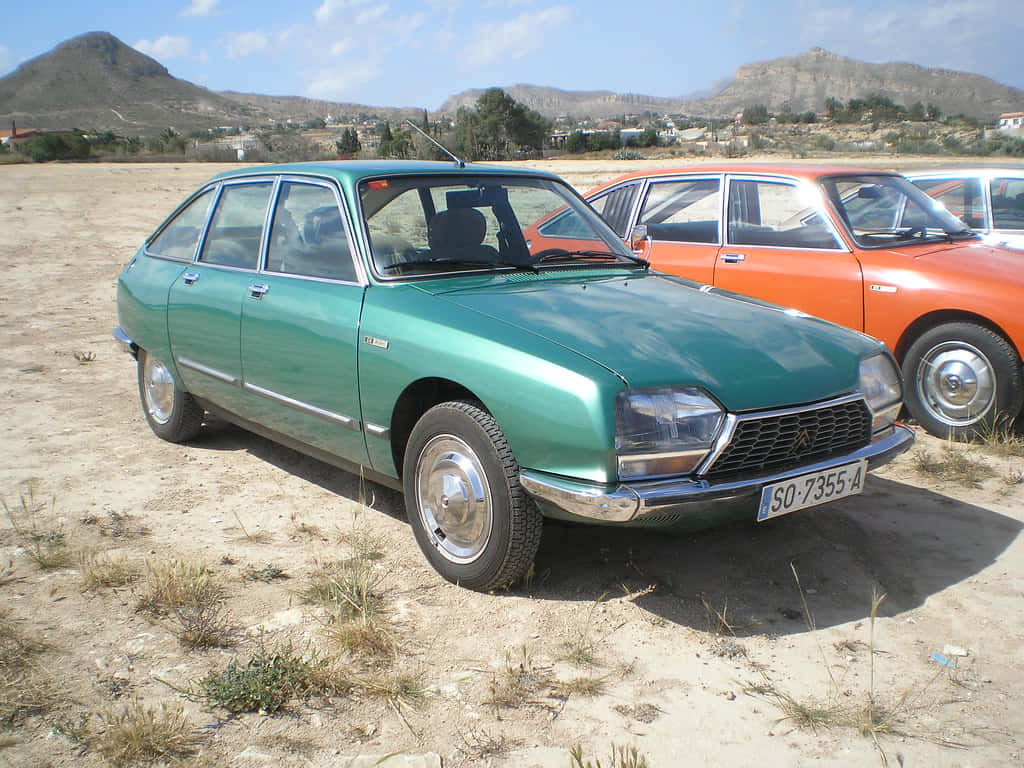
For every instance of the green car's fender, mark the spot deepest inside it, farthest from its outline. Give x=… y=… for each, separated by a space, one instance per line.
x=555 y=407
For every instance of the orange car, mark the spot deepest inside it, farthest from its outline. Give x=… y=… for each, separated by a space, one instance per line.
x=862 y=248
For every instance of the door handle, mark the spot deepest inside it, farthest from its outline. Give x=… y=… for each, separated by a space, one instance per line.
x=189 y=277
x=733 y=258
x=256 y=290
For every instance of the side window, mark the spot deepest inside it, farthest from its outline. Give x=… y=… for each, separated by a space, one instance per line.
x=179 y=238
x=962 y=197
x=684 y=211
x=775 y=214
x=307 y=234
x=237 y=226
x=615 y=207
x=1008 y=203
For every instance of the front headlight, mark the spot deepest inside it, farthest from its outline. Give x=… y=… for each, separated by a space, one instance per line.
x=883 y=389
x=664 y=431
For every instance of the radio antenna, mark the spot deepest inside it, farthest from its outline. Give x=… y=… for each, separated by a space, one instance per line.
x=458 y=163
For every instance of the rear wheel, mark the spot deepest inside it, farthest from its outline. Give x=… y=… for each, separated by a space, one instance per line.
x=961 y=380
x=172 y=414
x=473 y=521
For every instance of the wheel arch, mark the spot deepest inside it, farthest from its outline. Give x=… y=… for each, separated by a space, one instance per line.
x=416 y=399
x=941 y=317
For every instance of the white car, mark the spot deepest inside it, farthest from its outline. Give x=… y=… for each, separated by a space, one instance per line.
x=989 y=200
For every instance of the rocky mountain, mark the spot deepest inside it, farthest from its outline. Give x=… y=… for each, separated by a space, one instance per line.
x=96 y=82
x=804 y=82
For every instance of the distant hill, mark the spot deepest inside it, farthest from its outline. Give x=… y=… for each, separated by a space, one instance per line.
x=804 y=82
x=96 y=82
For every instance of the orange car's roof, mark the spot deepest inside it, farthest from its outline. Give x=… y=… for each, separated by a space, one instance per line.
x=798 y=170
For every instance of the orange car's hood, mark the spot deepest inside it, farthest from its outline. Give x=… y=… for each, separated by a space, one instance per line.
x=974 y=256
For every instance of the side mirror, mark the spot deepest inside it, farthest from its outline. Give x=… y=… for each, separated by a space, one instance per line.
x=639 y=239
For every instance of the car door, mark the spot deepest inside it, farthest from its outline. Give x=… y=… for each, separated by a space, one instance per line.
x=683 y=220
x=300 y=321
x=204 y=304
x=782 y=246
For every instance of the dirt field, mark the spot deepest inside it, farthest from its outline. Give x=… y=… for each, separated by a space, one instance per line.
x=700 y=649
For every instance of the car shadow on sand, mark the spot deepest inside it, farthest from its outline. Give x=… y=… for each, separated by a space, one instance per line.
x=908 y=542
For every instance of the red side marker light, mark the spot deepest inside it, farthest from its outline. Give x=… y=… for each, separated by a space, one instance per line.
x=379 y=184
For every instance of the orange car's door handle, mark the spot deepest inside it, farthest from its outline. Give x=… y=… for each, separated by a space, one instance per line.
x=733 y=258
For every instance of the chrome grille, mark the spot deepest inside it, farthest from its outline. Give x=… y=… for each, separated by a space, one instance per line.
x=764 y=445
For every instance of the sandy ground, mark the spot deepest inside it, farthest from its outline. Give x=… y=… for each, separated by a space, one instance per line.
x=677 y=685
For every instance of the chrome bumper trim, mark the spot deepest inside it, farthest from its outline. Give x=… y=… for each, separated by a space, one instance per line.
x=126 y=343
x=636 y=501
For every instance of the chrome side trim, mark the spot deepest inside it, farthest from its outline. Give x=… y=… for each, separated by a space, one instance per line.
x=687 y=495
x=346 y=421
x=724 y=438
x=384 y=433
x=126 y=343
x=213 y=373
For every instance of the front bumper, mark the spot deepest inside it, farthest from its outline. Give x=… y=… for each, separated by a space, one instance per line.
x=126 y=343
x=681 y=497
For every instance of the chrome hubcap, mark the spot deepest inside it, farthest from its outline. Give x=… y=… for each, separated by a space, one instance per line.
x=956 y=383
x=158 y=387
x=453 y=498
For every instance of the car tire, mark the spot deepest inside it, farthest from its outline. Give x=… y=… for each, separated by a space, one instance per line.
x=171 y=413
x=962 y=380
x=471 y=518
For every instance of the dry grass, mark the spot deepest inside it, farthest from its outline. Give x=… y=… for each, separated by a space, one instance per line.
x=953 y=465
x=480 y=745
x=1001 y=439
x=587 y=686
x=44 y=544
x=100 y=569
x=188 y=592
x=25 y=686
x=619 y=757
x=518 y=681
x=174 y=585
x=141 y=735
x=581 y=648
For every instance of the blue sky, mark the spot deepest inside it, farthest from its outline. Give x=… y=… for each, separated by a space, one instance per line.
x=402 y=53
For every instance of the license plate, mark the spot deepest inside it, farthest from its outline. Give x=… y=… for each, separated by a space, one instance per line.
x=809 y=490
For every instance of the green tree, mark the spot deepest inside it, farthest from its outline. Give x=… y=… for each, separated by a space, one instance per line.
x=349 y=143
x=755 y=115
x=498 y=128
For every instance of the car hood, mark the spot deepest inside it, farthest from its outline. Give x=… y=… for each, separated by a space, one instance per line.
x=657 y=330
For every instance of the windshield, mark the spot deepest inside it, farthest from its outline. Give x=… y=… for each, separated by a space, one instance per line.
x=437 y=225
x=885 y=210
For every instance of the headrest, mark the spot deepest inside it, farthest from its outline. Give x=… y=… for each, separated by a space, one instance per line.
x=457 y=228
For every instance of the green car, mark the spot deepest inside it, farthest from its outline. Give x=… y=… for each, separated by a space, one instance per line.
x=409 y=320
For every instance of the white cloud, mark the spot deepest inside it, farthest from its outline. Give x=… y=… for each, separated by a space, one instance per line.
x=514 y=38
x=200 y=8
x=166 y=47
x=342 y=46
x=340 y=82
x=241 y=44
x=372 y=13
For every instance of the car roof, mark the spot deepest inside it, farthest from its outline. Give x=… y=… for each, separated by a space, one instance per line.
x=967 y=170
x=353 y=171
x=797 y=170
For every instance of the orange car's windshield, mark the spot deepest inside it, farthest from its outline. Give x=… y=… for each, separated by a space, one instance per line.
x=885 y=210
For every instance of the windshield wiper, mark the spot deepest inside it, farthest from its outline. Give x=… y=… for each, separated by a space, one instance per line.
x=552 y=257
x=440 y=263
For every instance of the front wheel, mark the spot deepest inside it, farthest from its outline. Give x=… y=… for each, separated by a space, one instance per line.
x=171 y=413
x=471 y=518
x=962 y=379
